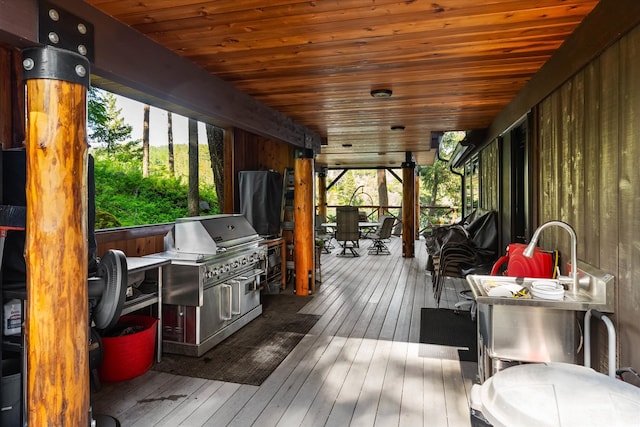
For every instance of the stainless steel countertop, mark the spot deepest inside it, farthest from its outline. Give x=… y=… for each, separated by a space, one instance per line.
x=136 y=264
x=596 y=290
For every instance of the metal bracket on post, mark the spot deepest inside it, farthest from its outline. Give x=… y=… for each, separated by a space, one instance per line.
x=68 y=47
x=59 y=28
x=409 y=165
x=57 y=64
x=303 y=153
x=409 y=161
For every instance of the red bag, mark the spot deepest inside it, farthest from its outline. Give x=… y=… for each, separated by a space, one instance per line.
x=541 y=265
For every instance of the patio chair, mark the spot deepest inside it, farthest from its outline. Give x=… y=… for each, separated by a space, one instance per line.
x=463 y=250
x=347 y=230
x=381 y=235
x=322 y=233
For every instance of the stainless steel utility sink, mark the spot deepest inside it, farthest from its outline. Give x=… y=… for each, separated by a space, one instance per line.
x=534 y=330
x=595 y=290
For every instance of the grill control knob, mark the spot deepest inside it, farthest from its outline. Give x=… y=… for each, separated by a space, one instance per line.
x=226 y=268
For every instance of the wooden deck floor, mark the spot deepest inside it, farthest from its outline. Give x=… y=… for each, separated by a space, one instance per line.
x=360 y=365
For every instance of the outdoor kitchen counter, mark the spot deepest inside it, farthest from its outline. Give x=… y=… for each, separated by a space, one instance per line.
x=525 y=329
x=154 y=268
x=595 y=291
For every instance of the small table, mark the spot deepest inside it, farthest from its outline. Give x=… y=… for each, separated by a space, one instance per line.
x=361 y=224
x=364 y=226
x=143 y=264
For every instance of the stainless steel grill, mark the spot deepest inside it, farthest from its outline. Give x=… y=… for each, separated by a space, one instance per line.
x=212 y=287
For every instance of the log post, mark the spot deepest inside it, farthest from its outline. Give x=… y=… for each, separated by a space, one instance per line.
x=230 y=173
x=416 y=221
x=322 y=194
x=56 y=247
x=408 y=208
x=303 y=233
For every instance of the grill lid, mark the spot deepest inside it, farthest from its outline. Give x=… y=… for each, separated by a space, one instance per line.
x=212 y=234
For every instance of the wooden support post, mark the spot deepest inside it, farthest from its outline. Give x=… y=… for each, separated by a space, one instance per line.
x=416 y=221
x=230 y=173
x=303 y=233
x=408 y=209
x=56 y=248
x=322 y=194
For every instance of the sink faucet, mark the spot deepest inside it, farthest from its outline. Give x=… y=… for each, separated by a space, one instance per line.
x=528 y=252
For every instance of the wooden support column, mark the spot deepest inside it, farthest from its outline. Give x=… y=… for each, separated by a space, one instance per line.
x=229 y=170
x=416 y=222
x=322 y=194
x=408 y=209
x=56 y=247
x=303 y=233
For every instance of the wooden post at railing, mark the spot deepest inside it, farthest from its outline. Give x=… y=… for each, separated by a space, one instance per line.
x=322 y=194
x=56 y=248
x=303 y=232
x=416 y=208
x=408 y=209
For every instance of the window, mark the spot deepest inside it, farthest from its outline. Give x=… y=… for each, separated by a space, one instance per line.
x=471 y=195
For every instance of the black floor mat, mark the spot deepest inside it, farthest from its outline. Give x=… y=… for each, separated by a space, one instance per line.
x=444 y=327
x=250 y=355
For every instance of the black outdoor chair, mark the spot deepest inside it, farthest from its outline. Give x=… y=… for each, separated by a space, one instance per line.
x=457 y=250
x=323 y=234
x=347 y=230
x=382 y=235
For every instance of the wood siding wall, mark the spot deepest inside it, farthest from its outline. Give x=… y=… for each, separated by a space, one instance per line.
x=588 y=176
x=12 y=127
x=133 y=241
x=490 y=178
x=245 y=151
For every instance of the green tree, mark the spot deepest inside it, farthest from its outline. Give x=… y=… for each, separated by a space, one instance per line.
x=106 y=124
x=171 y=161
x=215 y=140
x=96 y=110
x=194 y=186
x=442 y=188
x=145 y=141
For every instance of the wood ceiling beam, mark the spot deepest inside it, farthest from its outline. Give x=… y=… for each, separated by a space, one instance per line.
x=130 y=64
x=606 y=23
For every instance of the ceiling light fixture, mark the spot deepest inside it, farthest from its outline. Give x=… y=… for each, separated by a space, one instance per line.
x=397 y=128
x=381 y=93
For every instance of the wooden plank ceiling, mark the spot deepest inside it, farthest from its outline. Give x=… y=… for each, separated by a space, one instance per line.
x=451 y=65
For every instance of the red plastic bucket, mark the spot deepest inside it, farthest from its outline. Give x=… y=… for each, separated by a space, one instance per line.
x=129 y=356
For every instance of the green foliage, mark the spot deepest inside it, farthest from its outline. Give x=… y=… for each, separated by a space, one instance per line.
x=442 y=188
x=159 y=161
x=124 y=197
x=106 y=220
x=360 y=188
x=96 y=111
x=107 y=126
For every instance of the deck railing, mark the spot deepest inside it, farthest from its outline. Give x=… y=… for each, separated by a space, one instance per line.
x=148 y=239
x=429 y=215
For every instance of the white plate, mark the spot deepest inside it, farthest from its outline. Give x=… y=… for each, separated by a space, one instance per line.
x=546 y=285
x=547 y=289
x=506 y=290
